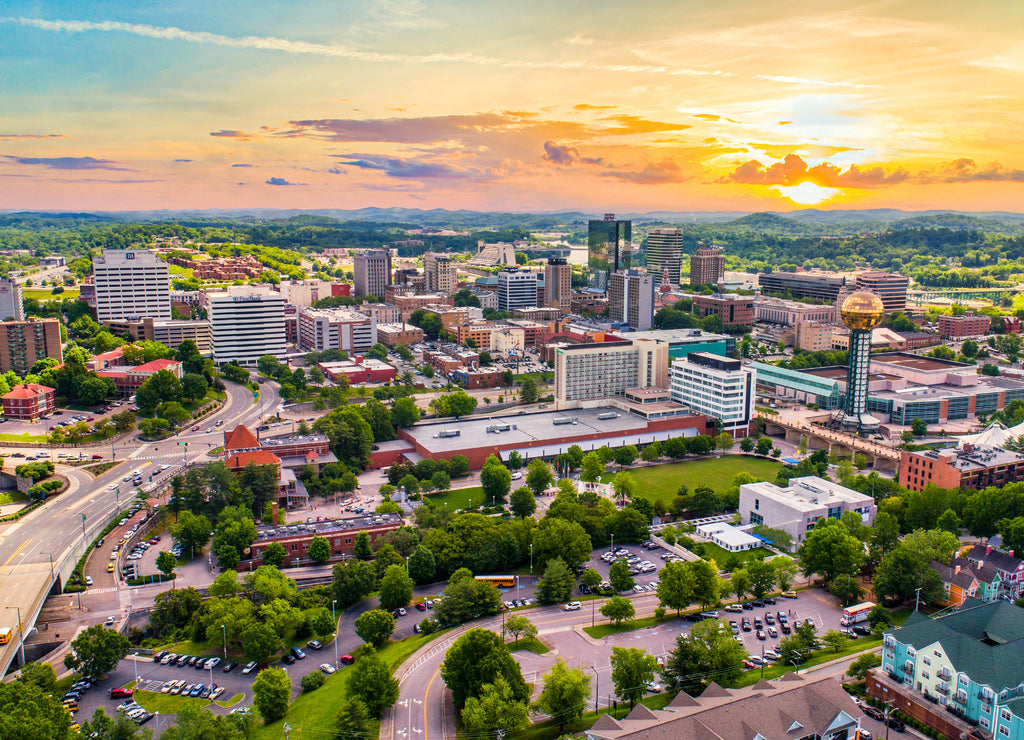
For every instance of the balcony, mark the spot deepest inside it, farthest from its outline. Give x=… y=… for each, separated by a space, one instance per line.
x=942 y=690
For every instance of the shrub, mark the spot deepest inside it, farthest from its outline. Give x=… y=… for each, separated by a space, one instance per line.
x=312 y=681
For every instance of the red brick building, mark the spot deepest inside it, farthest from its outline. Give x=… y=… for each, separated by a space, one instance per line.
x=29 y=402
x=964 y=327
x=732 y=308
x=971 y=467
x=340 y=535
x=359 y=370
x=129 y=379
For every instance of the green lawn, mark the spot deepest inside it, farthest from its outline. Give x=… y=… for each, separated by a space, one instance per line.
x=10 y=497
x=313 y=714
x=660 y=482
x=46 y=293
x=463 y=498
x=22 y=437
x=720 y=555
x=534 y=646
x=603 y=630
x=153 y=701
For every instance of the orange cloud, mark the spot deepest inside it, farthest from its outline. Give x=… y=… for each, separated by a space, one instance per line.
x=793 y=170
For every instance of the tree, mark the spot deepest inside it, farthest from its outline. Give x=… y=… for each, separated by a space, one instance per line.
x=422 y=565
x=353 y=580
x=465 y=599
x=762 y=577
x=375 y=626
x=97 y=651
x=626 y=455
x=353 y=721
x=440 y=481
x=312 y=681
x=565 y=693
x=528 y=390
x=404 y=412
x=275 y=554
x=259 y=641
x=740 y=582
x=620 y=577
x=707 y=586
x=362 y=546
x=522 y=502
x=949 y=522
x=191 y=532
x=92 y=391
x=624 y=486
x=747 y=444
x=902 y=572
x=880 y=618
x=323 y=623
x=632 y=670
x=830 y=550
x=193 y=386
x=235 y=531
x=1012 y=532
x=785 y=572
x=517 y=625
x=764 y=446
x=557 y=583
x=319 y=550
x=885 y=534
x=835 y=640
x=395 y=588
x=593 y=467
x=675 y=586
x=29 y=713
x=166 y=563
x=160 y=387
x=538 y=476
x=459 y=403
x=590 y=578
x=40 y=675
x=496 y=710
x=480 y=657
x=724 y=442
x=558 y=538
x=495 y=479
x=919 y=427
x=706 y=651
x=386 y=557
x=271 y=691
x=618 y=609
x=865 y=662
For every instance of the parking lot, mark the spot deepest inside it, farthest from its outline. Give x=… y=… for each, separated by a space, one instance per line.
x=62 y=418
x=646 y=562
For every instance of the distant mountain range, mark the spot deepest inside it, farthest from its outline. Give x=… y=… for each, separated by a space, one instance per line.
x=806 y=221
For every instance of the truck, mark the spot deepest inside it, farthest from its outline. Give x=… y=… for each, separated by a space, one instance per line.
x=856 y=613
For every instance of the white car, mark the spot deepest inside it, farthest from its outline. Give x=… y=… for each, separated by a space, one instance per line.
x=327 y=668
x=572 y=606
x=88 y=580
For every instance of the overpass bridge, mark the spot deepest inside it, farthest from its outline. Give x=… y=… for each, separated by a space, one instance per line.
x=879 y=456
x=919 y=297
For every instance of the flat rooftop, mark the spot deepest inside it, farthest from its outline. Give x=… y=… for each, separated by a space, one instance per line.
x=916 y=362
x=981 y=457
x=524 y=428
x=328 y=526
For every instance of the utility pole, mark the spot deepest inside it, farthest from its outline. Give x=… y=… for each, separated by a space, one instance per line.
x=597 y=689
x=333 y=602
x=917 y=598
x=224 y=629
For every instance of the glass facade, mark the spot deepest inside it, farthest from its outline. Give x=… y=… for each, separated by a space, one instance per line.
x=608 y=249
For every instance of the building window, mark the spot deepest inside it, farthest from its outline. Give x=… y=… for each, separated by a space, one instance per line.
x=757 y=503
x=927 y=661
x=1004 y=730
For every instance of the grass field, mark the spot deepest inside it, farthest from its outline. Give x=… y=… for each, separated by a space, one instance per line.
x=22 y=437
x=153 y=701
x=463 y=498
x=534 y=646
x=660 y=482
x=722 y=556
x=10 y=497
x=46 y=294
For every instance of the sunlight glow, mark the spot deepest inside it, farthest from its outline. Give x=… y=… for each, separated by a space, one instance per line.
x=807 y=193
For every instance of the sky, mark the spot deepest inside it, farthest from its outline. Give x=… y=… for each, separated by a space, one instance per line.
x=592 y=105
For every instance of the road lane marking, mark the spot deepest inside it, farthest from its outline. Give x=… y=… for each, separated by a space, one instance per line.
x=426 y=695
x=14 y=554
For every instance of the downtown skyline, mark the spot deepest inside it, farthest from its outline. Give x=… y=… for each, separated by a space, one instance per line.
x=527 y=106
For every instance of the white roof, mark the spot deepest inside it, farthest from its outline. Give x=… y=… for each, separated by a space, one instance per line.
x=995 y=435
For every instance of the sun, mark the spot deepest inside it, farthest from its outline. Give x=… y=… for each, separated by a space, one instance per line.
x=807 y=193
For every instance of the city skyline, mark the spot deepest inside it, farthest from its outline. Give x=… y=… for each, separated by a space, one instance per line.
x=673 y=106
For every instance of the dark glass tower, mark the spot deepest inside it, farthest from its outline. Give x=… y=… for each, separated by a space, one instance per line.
x=608 y=249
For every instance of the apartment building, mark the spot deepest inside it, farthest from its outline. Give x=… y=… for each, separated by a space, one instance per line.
x=12 y=304
x=131 y=284
x=733 y=309
x=954 y=328
x=372 y=271
x=707 y=266
x=790 y=313
x=28 y=402
x=516 y=289
x=716 y=386
x=23 y=343
x=438 y=273
x=665 y=255
x=631 y=299
x=558 y=284
x=344 y=329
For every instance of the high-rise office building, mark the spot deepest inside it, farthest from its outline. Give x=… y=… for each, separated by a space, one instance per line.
x=608 y=249
x=516 y=289
x=665 y=254
x=372 y=270
x=12 y=306
x=22 y=343
x=439 y=273
x=891 y=287
x=336 y=328
x=631 y=299
x=246 y=324
x=717 y=386
x=707 y=266
x=131 y=285
x=558 y=284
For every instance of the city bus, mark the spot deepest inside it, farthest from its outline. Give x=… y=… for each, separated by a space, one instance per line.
x=5 y=635
x=499 y=581
x=856 y=613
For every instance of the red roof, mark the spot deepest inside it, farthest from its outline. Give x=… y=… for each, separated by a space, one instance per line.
x=240 y=438
x=257 y=457
x=111 y=374
x=27 y=390
x=155 y=365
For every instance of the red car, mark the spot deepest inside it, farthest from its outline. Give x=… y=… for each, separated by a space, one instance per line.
x=347 y=659
x=120 y=693
x=421 y=607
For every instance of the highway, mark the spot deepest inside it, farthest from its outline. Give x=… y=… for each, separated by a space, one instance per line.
x=36 y=549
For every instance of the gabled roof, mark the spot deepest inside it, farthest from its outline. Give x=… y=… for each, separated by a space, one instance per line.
x=606 y=722
x=240 y=438
x=154 y=366
x=996 y=558
x=27 y=390
x=256 y=457
x=641 y=712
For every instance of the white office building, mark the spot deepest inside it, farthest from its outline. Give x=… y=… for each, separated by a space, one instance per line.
x=371 y=270
x=245 y=324
x=797 y=508
x=131 y=285
x=631 y=299
x=665 y=255
x=516 y=289
x=12 y=305
x=336 y=328
x=716 y=386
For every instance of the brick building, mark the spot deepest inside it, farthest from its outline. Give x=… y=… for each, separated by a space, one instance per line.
x=393 y=335
x=359 y=370
x=964 y=327
x=23 y=343
x=340 y=535
x=972 y=466
x=477 y=378
x=29 y=401
x=130 y=379
x=733 y=309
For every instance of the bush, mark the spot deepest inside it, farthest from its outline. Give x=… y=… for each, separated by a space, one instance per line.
x=312 y=681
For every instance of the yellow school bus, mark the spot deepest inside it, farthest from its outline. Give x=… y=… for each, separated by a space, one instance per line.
x=5 y=635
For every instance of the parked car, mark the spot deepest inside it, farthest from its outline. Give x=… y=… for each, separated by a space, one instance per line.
x=572 y=606
x=314 y=645
x=347 y=660
x=327 y=668
x=249 y=667
x=119 y=693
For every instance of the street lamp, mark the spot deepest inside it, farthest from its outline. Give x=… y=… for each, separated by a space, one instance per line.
x=531 y=558
x=21 y=639
x=333 y=602
x=597 y=689
x=83 y=527
x=50 y=555
x=224 y=629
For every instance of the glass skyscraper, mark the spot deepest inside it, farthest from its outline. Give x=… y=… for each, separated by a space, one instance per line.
x=608 y=249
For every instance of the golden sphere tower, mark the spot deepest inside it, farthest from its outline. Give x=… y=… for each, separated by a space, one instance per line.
x=861 y=312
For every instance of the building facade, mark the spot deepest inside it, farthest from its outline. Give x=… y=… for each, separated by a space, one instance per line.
x=393 y=335
x=953 y=328
x=438 y=273
x=665 y=255
x=516 y=289
x=707 y=266
x=336 y=328
x=131 y=284
x=12 y=304
x=798 y=507
x=732 y=308
x=372 y=272
x=891 y=287
x=716 y=386
x=245 y=325
x=971 y=466
x=789 y=313
x=631 y=299
x=28 y=402
x=340 y=534
x=609 y=248
x=822 y=286
x=558 y=284
x=23 y=343
x=1009 y=567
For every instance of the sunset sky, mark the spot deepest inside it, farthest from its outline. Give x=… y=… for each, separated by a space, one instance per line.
x=541 y=106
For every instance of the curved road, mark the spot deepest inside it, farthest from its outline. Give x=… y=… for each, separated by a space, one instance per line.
x=35 y=549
